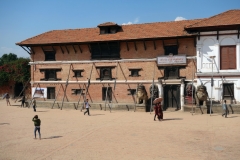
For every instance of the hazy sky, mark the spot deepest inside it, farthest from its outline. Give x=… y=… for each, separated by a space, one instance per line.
x=22 y=19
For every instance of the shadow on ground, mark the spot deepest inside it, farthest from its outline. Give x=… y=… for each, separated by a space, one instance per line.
x=52 y=137
x=169 y=119
x=4 y=123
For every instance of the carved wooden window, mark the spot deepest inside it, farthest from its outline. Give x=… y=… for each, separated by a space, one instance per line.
x=131 y=91
x=78 y=73
x=107 y=93
x=228 y=90
x=134 y=72
x=172 y=49
x=110 y=50
x=171 y=73
x=227 y=57
x=50 y=74
x=78 y=91
x=49 y=55
x=50 y=92
x=105 y=73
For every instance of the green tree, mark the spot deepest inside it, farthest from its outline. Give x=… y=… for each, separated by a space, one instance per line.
x=14 y=69
x=6 y=58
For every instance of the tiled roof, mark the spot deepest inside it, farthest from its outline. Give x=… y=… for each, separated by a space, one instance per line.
x=231 y=17
x=108 y=24
x=128 y=32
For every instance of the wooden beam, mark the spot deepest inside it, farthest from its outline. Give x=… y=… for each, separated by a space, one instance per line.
x=79 y=46
x=127 y=45
x=74 y=49
x=53 y=48
x=62 y=49
x=238 y=33
x=42 y=49
x=135 y=45
x=32 y=50
x=154 y=44
x=144 y=45
x=89 y=48
x=26 y=50
x=67 y=49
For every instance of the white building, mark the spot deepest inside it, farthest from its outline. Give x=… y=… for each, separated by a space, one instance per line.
x=218 y=55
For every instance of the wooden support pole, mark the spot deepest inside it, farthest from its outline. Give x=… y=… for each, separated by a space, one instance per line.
x=56 y=97
x=106 y=97
x=66 y=85
x=152 y=87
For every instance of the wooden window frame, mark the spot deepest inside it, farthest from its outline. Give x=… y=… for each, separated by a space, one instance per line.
x=50 y=55
x=228 y=59
x=109 y=94
x=229 y=89
x=134 y=72
x=78 y=91
x=47 y=72
x=78 y=71
x=132 y=91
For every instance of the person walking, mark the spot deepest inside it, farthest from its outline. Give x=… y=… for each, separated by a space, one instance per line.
x=34 y=104
x=23 y=101
x=87 y=105
x=225 y=109
x=37 y=123
x=7 y=99
x=157 y=110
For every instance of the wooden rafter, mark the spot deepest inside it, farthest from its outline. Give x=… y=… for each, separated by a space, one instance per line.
x=62 y=49
x=89 y=48
x=127 y=46
x=32 y=50
x=154 y=44
x=144 y=45
x=67 y=49
x=26 y=50
x=135 y=46
x=74 y=49
x=79 y=46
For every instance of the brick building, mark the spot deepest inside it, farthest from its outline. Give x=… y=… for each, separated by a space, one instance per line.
x=107 y=64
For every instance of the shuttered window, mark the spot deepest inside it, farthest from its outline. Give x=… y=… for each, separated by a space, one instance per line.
x=228 y=57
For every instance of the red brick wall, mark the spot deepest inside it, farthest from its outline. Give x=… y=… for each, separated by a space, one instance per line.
x=186 y=46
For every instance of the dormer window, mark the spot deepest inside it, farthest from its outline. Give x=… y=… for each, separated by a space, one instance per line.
x=108 y=28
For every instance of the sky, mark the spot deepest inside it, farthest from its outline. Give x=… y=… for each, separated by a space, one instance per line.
x=23 y=19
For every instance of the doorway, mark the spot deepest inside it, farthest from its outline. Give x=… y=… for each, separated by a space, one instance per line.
x=18 y=89
x=171 y=97
x=50 y=92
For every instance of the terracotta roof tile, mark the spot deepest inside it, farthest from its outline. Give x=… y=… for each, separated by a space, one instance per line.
x=231 y=17
x=108 y=24
x=129 y=32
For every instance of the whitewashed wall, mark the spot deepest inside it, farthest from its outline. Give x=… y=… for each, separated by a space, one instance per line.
x=210 y=46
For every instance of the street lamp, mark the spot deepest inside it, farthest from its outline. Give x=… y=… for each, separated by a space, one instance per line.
x=212 y=57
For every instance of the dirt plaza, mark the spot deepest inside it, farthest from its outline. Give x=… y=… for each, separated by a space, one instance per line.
x=119 y=135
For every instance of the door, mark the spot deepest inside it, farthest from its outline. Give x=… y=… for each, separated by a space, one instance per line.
x=50 y=92
x=171 y=97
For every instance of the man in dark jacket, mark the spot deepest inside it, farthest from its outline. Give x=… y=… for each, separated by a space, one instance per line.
x=37 y=123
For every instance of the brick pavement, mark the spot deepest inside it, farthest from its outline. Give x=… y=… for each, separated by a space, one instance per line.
x=68 y=134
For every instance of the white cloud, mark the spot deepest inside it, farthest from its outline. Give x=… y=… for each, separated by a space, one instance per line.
x=18 y=51
x=180 y=19
x=134 y=22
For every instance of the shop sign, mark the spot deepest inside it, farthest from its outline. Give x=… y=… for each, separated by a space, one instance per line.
x=171 y=60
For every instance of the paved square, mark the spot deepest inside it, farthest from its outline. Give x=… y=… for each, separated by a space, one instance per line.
x=120 y=135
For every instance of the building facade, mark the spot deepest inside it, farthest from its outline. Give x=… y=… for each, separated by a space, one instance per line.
x=111 y=63
x=218 y=56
